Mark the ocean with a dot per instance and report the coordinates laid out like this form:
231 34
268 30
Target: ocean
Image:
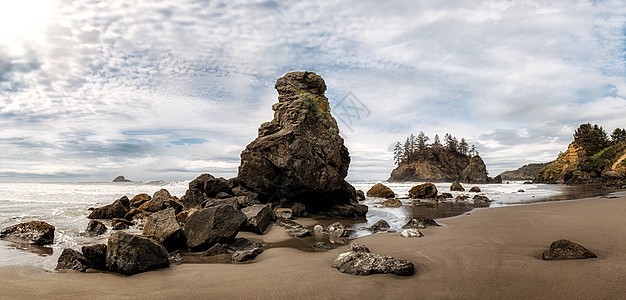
65 205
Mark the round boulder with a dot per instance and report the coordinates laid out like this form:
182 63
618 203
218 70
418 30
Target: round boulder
381 191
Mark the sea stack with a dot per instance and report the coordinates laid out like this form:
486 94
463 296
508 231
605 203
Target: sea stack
299 155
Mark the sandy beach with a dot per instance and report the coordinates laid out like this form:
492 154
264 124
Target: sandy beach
489 254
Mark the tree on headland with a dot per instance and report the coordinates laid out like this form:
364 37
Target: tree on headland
417 147
398 153
422 141
591 138
463 146
618 136
436 142
473 151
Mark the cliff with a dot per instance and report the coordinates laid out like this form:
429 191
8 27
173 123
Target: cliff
575 166
441 165
526 172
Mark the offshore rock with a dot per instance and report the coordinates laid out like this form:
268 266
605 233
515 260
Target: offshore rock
120 179
299 155
475 172
35 232
456 187
423 191
381 191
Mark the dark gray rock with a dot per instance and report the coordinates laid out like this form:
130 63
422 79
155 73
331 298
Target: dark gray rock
71 259
456 187
242 244
299 210
120 179
381 225
117 209
204 187
164 227
420 223
245 255
232 201
360 195
95 228
161 200
423 191
121 224
565 249
446 195
96 256
258 217
359 261
129 254
216 249
299 155
322 246
293 229
475 189
35 232
481 199
212 225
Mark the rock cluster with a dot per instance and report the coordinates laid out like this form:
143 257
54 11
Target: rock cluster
359 261
299 155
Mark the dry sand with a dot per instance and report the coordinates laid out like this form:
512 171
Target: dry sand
489 254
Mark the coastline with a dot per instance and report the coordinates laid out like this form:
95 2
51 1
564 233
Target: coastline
488 254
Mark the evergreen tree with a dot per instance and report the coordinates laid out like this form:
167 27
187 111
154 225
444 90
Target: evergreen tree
398 153
437 142
422 142
473 151
463 147
406 153
591 138
618 135
413 144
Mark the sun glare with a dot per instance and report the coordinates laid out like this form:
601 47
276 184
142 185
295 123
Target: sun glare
23 21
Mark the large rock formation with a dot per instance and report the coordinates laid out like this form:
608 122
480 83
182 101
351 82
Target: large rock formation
441 165
576 166
118 209
35 232
299 155
475 172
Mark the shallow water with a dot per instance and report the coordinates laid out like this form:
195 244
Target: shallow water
65 205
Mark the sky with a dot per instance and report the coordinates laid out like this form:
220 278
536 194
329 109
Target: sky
170 89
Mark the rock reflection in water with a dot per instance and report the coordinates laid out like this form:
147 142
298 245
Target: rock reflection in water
436 210
39 250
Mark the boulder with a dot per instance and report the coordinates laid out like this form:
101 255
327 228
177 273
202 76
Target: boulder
164 228
423 191
446 195
362 262
71 259
299 155
117 209
139 199
202 188
411 232
565 249
461 198
480 199
381 191
242 244
456 187
420 223
120 179
96 256
392 203
136 213
247 254
299 210
283 213
35 232
216 249
182 216
258 217
322 246
161 200
129 254
360 196
338 229
212 225
293 229
521 191
475 189
95 228
380 225
232 201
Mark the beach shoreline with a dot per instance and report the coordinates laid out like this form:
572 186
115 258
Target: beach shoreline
488 254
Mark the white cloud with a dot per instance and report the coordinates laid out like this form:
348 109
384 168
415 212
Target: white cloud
105 87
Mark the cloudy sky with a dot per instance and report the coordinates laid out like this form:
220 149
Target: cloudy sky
173 88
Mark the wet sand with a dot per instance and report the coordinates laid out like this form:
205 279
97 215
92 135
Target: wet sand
489 254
